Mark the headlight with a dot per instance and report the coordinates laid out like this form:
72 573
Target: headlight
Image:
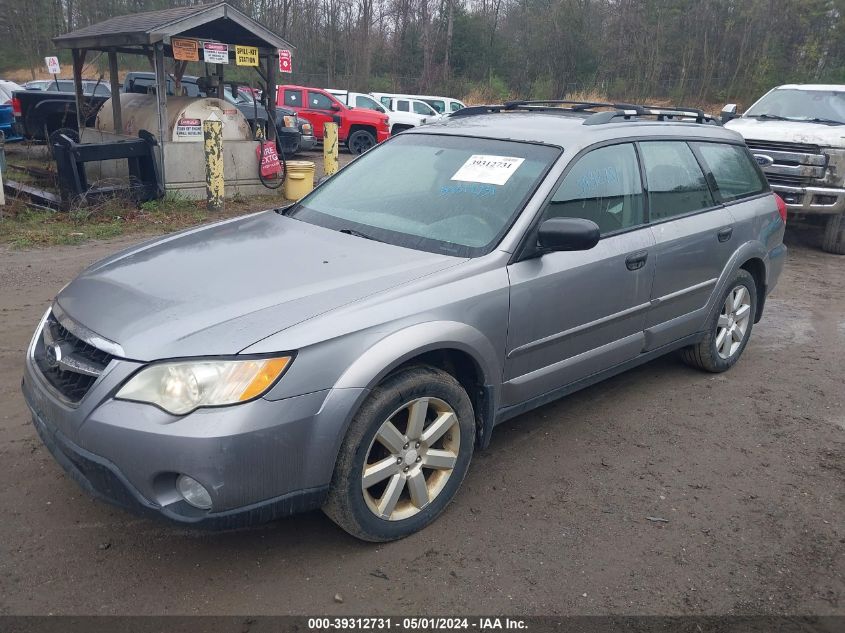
181 387
307 129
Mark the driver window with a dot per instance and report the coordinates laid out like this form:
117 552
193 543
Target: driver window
421 108
319 101
603 186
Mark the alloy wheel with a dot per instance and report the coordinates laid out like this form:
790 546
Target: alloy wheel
411 458
732 325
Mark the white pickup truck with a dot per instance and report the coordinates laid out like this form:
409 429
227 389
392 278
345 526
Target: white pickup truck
797 135
397 121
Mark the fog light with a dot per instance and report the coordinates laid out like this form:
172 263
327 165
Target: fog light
193 492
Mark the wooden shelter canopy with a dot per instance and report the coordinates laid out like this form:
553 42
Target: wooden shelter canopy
217 21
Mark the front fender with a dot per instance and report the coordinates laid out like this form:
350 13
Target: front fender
390 352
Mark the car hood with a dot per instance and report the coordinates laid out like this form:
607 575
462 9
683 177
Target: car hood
789 131
221 288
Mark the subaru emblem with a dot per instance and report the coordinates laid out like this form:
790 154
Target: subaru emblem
53 355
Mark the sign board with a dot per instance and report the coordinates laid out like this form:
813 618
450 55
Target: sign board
185 50
246 55
285 63
270 165
52 65
215 53
189 127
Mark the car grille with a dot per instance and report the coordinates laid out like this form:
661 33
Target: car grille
70 365
793 164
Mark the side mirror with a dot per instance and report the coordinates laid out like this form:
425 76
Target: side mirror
728 113
335 107
567 234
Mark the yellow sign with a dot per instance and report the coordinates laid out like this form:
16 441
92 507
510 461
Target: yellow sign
185 50
246 55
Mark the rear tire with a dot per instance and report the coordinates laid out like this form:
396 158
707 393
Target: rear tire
360 141
833 240
729 329
404 457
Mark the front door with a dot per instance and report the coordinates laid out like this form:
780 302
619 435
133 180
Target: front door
573 314
318 110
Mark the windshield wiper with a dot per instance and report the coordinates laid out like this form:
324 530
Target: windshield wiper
359 234
774 117
817 119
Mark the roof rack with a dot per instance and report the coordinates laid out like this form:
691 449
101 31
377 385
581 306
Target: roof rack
625 111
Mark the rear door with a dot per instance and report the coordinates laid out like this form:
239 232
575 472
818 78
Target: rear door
573 314
694 239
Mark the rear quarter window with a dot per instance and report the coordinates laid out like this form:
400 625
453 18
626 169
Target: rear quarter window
733 170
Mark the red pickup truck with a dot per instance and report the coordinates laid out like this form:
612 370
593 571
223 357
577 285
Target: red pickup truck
359 128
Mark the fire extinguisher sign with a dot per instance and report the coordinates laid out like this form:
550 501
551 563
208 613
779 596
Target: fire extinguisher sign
285 64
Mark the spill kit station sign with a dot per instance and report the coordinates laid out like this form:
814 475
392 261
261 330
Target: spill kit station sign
246 55
285 63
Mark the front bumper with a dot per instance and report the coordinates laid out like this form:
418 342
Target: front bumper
812 200
259 460
308 143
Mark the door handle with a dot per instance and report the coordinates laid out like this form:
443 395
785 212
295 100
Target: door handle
637 260
725 234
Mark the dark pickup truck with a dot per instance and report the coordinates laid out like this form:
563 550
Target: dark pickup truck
39 113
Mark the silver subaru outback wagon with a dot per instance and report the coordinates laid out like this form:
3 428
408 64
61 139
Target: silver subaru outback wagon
351 351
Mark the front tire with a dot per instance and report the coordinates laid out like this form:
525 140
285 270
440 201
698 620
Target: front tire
360 141
729 328
404 457
833 240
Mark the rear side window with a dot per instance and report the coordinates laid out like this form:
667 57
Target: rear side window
603 186
733 170
402 106
676 184
293 98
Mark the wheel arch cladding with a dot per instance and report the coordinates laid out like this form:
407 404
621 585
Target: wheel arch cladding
456 348
757 269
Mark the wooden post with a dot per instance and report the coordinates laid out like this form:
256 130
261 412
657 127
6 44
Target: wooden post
272 60
161 99
329 148
78 55
212 130
115 92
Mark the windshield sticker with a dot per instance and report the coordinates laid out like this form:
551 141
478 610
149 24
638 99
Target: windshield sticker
479 190
491 170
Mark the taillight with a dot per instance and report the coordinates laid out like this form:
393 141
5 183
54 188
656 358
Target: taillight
781 207
16 106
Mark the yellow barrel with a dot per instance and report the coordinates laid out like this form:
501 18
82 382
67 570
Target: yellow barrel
299 179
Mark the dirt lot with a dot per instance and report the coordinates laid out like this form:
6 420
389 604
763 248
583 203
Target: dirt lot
747 468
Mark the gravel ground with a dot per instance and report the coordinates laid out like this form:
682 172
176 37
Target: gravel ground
747 469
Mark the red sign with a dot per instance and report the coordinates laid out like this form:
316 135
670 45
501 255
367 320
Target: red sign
270 165
285 64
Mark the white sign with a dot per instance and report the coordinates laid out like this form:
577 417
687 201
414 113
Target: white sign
214 53
53 65
189 127
492 170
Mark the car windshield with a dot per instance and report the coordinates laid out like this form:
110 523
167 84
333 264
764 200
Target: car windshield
801 105
452 195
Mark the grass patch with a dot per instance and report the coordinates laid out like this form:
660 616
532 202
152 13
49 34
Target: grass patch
25 226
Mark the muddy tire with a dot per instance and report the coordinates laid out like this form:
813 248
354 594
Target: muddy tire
833 240
404 457
729 329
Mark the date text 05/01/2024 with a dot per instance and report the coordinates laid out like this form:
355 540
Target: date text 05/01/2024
416 624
